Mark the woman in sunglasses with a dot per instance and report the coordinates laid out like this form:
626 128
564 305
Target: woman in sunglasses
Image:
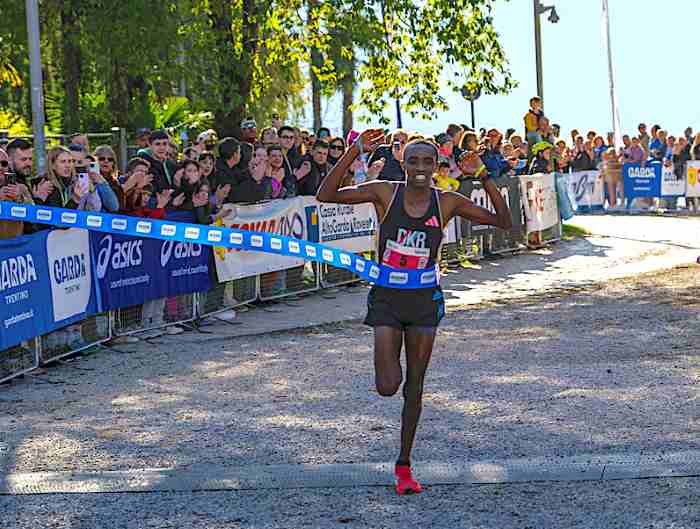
107 161
336 148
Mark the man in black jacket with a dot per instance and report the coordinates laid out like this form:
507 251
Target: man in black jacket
230 171
313 172
162 168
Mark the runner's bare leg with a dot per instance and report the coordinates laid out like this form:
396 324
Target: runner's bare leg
387 360
419 348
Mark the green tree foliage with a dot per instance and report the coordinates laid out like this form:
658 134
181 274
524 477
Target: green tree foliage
123 62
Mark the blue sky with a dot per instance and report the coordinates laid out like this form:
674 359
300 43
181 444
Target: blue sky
653 55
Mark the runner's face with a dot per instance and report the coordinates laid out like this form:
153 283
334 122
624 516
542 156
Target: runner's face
420 164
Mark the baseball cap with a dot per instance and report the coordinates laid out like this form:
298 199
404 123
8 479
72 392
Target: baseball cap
207 135
249 123
145 131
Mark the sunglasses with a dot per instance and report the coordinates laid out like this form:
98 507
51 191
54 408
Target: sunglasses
105 159
287 137
4 163
337 147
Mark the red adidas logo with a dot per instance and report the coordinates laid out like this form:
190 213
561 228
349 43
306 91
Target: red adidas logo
433 222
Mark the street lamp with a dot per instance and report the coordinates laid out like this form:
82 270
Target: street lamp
553 17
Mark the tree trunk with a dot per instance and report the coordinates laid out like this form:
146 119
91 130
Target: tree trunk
348 88
118 95
235 74
316 63
72 59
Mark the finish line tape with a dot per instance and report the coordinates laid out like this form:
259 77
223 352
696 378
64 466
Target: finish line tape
376 273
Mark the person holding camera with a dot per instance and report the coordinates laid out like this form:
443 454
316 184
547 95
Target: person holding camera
393 156
66 187
11 191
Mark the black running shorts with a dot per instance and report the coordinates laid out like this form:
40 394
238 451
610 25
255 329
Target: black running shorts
400 308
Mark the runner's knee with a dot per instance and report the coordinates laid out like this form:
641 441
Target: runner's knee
388 388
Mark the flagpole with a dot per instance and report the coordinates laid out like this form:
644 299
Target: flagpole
613 107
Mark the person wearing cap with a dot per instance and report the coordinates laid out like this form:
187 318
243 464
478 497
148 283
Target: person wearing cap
542 158
494 161
249 131
206 141
143 138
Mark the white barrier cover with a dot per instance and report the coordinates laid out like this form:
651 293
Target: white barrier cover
539 198
692 179
587 187
281 217
350 227
670 185
70 270
450 233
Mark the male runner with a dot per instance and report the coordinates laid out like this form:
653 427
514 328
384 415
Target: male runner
412 216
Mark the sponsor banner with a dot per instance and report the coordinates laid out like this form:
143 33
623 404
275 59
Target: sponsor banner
349 227
45 283
588 189
539 198
70 270
671 185
496 240
692 179
133 270
278 217
642 181
474 191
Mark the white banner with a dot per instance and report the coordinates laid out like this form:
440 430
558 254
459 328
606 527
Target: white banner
450 233
281 217
671 186
349 227
70 270
693 179
587 187
539 199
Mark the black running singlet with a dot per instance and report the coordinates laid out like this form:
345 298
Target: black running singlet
410 242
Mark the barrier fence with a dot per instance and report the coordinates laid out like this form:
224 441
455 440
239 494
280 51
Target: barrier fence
65 291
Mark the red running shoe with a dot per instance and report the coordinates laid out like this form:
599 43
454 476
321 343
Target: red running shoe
405 484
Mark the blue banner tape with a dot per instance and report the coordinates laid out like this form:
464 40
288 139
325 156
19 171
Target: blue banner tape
376 273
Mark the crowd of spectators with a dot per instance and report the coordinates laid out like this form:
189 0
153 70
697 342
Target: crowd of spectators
283 161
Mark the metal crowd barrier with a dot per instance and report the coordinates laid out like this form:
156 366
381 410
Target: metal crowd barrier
226 296
74 338
155 314
18 360
297 280
334 277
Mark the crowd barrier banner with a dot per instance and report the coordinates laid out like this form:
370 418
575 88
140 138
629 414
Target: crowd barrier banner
473 190
653 180
693 179
539 198
220 236
587 187
671 185
45 283
349 227
276 217
131 271
641 181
